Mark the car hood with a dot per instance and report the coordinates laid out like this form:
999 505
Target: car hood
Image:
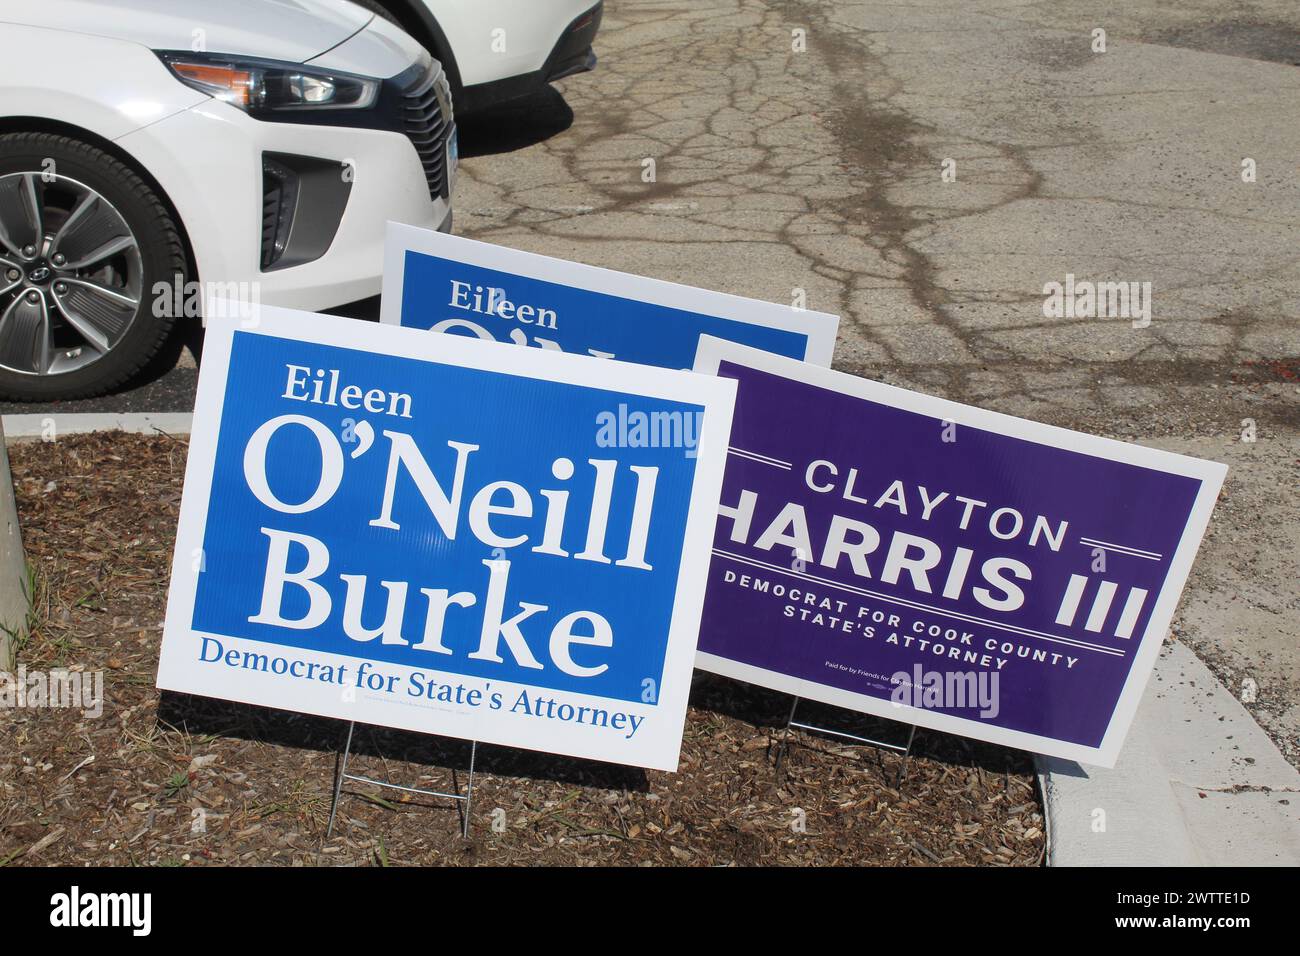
293 30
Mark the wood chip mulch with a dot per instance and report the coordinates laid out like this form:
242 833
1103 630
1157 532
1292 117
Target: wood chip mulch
177 780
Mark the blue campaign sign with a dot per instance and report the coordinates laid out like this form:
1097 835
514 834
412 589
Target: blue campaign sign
462 287
445 535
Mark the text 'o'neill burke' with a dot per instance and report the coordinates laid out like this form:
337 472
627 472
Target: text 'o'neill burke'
538 520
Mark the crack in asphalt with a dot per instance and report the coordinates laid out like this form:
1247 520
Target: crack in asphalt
881 141
816 166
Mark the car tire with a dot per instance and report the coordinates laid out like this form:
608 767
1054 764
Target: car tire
61 175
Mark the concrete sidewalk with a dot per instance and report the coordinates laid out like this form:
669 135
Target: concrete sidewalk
51 425
1197 784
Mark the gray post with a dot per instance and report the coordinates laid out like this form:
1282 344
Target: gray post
13 564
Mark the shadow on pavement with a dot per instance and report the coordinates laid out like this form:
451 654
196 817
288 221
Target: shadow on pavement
514 125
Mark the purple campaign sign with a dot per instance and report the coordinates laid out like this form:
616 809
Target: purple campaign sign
938 564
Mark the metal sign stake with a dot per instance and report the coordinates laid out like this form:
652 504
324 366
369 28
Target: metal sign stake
791 724
341 774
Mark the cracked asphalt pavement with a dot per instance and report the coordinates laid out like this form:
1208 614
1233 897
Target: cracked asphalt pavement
924 169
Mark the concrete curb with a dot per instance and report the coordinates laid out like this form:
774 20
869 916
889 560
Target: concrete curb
1198 783
50 425
13 565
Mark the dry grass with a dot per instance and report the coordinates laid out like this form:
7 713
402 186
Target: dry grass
181 780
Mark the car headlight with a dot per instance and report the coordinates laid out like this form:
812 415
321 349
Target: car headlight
267 86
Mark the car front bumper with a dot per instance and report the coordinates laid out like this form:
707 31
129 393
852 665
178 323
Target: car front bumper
549 57
209 161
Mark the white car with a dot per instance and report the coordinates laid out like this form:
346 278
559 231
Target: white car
498 50
258 145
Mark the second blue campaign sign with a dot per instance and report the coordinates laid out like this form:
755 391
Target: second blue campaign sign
462 287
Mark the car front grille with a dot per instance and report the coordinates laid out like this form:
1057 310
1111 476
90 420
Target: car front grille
428 122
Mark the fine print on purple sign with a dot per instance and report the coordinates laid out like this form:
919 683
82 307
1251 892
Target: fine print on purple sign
941 565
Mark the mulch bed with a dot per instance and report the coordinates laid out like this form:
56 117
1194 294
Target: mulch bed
177 780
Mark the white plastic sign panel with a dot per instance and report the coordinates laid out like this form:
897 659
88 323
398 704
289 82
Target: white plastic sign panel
445 535
941 565
449 284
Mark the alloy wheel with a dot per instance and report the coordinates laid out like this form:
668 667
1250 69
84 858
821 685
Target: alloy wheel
70 274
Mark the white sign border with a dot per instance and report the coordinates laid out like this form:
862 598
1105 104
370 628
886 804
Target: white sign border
713 350
176 668
821 328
